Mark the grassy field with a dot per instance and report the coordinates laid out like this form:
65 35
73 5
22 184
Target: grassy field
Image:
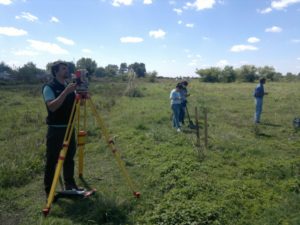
249 175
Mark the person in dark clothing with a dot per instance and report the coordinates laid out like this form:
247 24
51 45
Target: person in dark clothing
259 94
59 98
184 94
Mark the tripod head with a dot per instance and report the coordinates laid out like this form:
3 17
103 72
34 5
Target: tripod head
81 79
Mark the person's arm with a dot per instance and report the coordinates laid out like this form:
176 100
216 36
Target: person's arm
54 104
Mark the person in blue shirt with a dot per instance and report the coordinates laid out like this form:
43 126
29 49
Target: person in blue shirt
59 98
259 94
184 94
176 97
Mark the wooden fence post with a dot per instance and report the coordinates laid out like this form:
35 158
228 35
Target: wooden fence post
205 128
197 127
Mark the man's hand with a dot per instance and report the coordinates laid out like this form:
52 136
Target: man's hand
70 88
56 103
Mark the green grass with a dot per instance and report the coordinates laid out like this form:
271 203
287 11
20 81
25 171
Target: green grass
250 175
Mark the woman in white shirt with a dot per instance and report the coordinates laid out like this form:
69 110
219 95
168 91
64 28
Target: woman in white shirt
175 97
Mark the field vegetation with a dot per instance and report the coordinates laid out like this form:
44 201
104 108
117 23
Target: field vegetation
249 175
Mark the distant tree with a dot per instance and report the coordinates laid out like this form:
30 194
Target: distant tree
227 75
267 72
100 72
210 75
48 67
247 73
28 73
71 67
88 64
152 76
138 68
290 76
123 68
5 68
111 70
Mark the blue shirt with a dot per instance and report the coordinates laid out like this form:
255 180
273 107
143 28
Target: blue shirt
175 97
259 91
48 94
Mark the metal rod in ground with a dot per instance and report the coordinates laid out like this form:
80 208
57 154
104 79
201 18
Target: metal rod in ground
205 128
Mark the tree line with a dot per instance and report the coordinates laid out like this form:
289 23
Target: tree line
29 73
246 73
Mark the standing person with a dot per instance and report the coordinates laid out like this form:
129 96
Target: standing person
59 98
184 94
259 93
176 105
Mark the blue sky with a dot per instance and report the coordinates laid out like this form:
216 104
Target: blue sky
173 37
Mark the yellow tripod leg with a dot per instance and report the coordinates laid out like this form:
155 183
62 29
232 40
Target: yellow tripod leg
112 147
81 137
62 156
81 142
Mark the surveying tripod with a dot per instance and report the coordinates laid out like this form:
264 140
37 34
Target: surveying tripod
81 99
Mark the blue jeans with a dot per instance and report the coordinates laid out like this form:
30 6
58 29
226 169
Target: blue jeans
258 109
182 112
176 111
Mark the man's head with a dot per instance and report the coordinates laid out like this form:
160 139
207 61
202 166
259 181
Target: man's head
262 80
60 68
185 83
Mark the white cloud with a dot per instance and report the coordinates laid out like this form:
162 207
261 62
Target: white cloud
281 4
65 41
241 48
178 11
147 2
189 25
205 38
11 31
274 29
27 16
201 4
253 40
86 50
118 3
298 58
222 63
47 47
179 22
131 39
5 2
265 11
157 33
25 53
54 19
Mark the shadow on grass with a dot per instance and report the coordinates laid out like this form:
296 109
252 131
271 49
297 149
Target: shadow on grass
264 135
258 133
270 124
95 209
